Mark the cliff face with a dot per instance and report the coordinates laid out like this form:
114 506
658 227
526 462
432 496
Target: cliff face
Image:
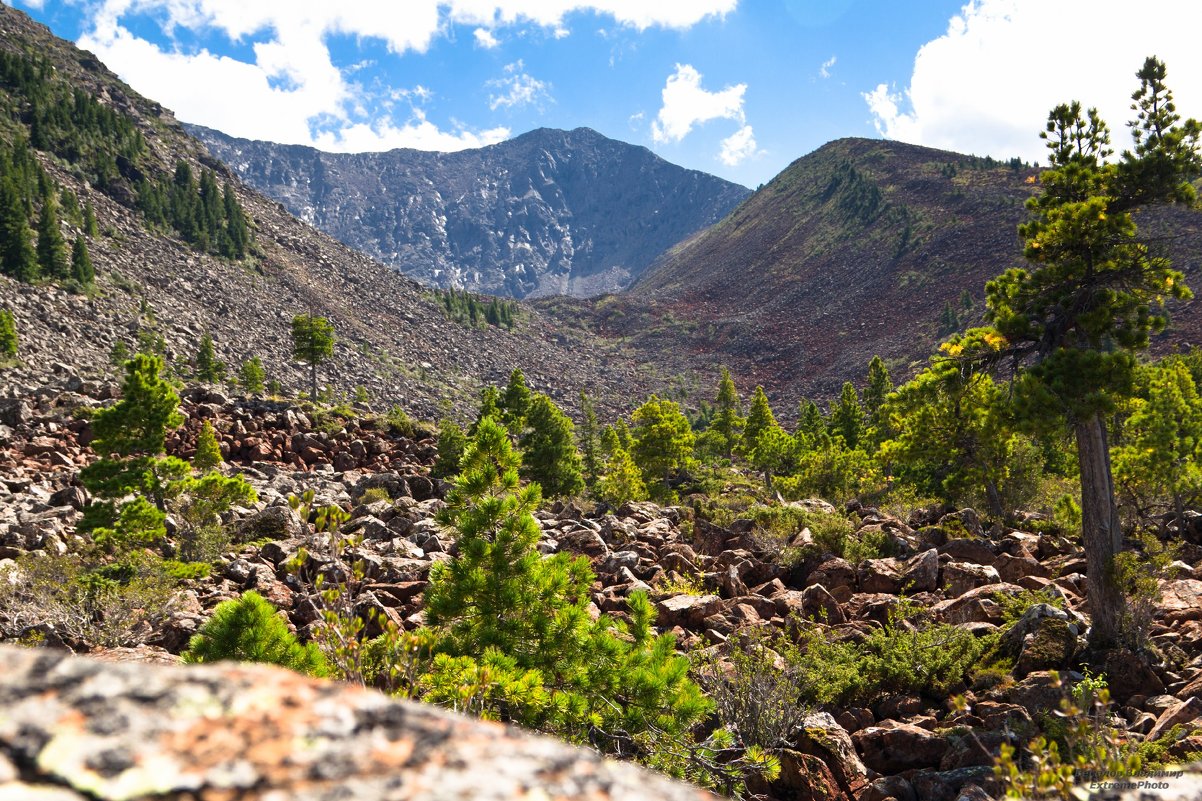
550 212
76 728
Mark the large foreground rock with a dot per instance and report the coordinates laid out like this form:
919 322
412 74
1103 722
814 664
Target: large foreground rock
73 728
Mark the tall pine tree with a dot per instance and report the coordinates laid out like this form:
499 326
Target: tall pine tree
52 248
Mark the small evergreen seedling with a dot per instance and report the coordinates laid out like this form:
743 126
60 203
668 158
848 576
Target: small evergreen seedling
208 452
247 629
8 334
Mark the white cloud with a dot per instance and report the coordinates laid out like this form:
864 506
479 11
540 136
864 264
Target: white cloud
825 70
517 88
292 92
987 84
485 38
686 104
738 147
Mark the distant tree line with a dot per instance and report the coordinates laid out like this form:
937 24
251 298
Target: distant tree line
103 147
463 307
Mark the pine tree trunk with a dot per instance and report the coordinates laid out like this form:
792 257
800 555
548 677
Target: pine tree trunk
1101 534
993 497
313 381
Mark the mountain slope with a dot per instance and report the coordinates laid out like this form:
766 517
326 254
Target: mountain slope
549 212
856 249
392 338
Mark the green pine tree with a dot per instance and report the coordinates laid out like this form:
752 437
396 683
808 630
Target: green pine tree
879 386
513 636
589 441
81 263
90 226
663 442
1092 295
248 629
208 452
252 376
313 344
451 445
515 400
490 406
549 455
759 419
847 417
130 437
727 420
622 481
18 259
1161 454
208 367
812 431
52 248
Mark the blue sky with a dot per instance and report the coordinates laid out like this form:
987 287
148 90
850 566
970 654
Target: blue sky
738 88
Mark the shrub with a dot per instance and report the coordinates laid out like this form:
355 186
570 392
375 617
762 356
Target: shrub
399 423
247 629
906 655
373 494
757 687
106 606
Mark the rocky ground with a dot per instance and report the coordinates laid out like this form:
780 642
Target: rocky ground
904 747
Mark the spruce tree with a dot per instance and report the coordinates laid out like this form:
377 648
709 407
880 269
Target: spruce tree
313 344
81 263
549 454
252 376
589 441
208 367
727 420
52 248
8 335
17 256
248 629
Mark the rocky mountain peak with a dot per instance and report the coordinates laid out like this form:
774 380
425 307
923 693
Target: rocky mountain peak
548 212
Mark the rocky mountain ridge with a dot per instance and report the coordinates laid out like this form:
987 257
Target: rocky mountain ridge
861 248
548 212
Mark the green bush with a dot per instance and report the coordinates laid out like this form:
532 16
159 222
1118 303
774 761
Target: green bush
906 655
247 629
373 494
114 605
